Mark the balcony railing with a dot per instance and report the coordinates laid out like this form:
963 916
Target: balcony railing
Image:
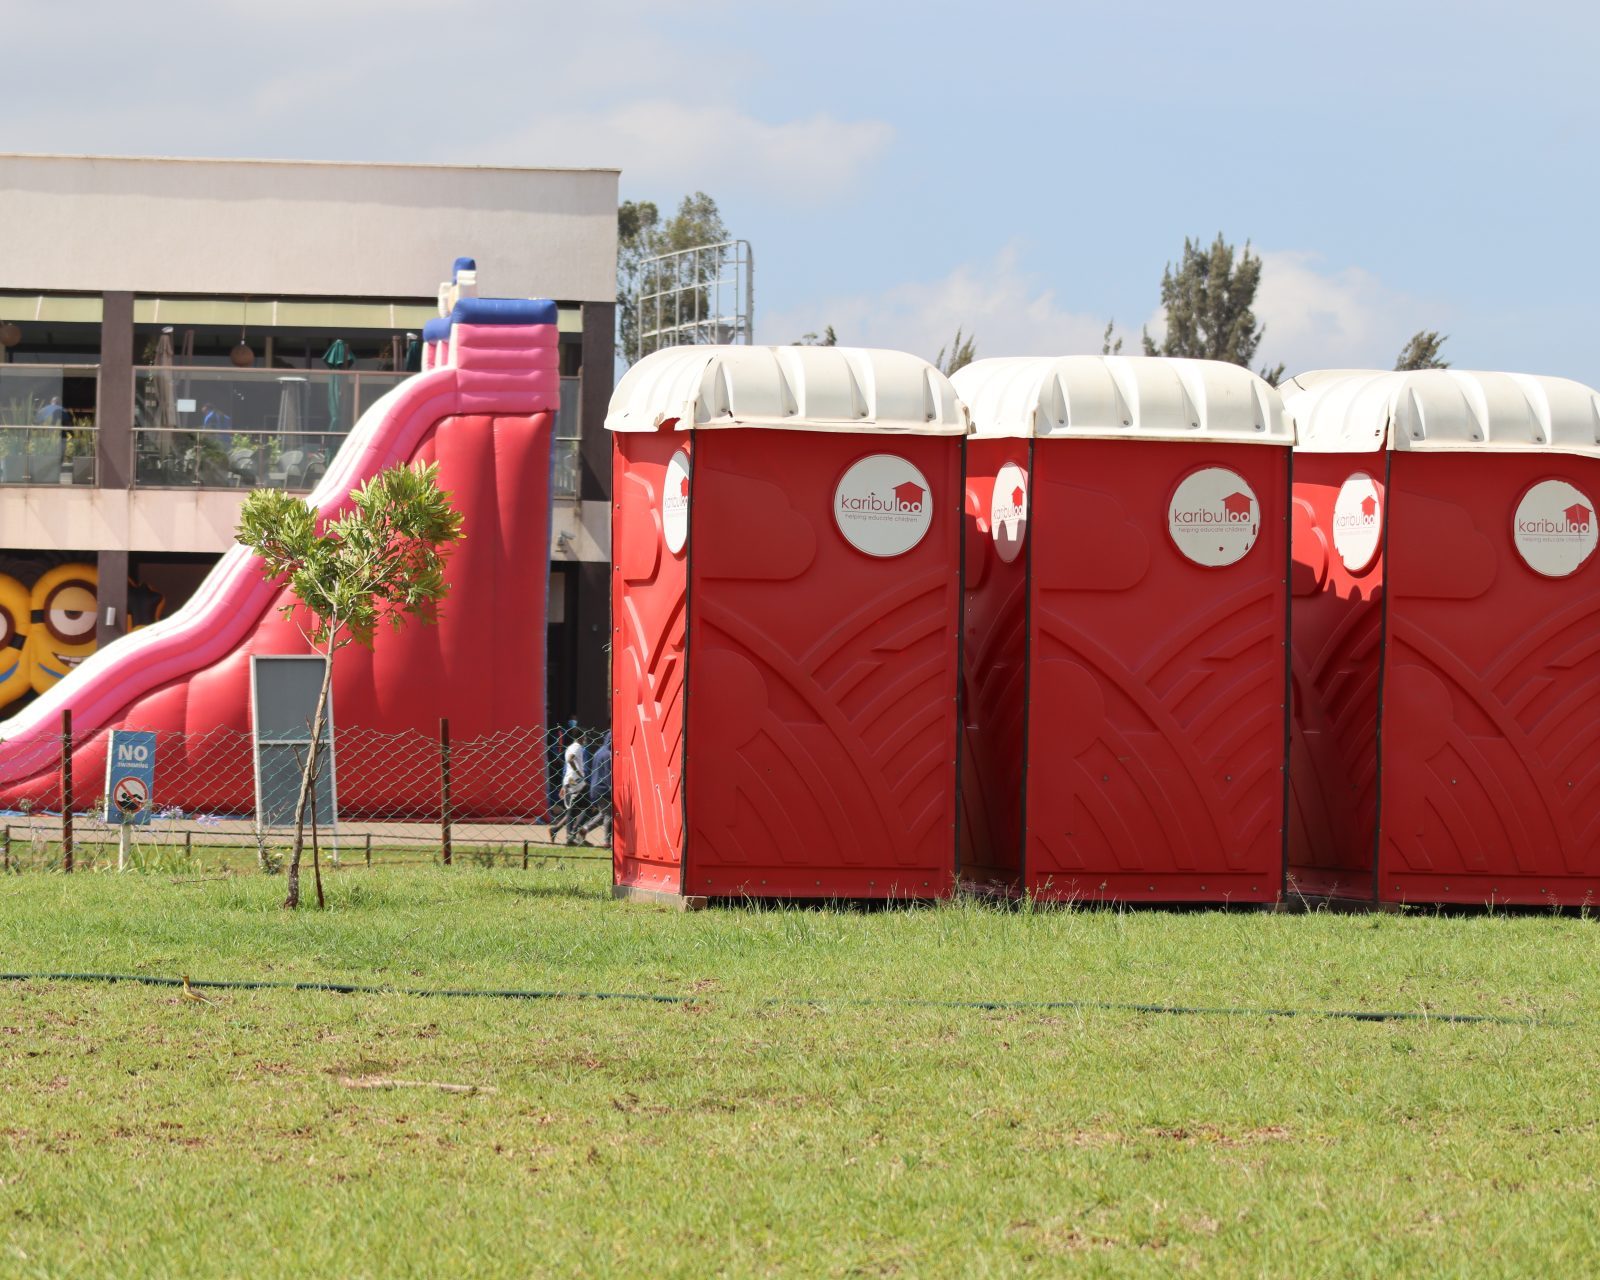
47 455
319 401
164 458
251 428
565 443
47 423
210 427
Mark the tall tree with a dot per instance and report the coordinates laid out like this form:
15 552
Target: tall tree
1422 352
381 563
1208 299
1107 346
643 234
827 338
963 351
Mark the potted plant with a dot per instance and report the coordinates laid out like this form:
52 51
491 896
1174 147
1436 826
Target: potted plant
80 450
44 455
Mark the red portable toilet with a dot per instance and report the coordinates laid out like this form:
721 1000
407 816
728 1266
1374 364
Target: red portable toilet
786 609
1126 627
1446 637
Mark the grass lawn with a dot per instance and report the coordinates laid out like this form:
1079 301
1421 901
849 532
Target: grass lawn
809 1107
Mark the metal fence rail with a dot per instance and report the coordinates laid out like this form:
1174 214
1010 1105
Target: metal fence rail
400 797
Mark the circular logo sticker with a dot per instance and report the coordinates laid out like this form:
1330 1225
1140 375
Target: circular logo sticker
883 505
1554 528
675 503
1008 511
1213 517
1358 522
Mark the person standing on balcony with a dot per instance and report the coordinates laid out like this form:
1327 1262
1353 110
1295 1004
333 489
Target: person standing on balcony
54 414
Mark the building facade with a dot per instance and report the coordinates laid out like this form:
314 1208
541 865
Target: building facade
175 333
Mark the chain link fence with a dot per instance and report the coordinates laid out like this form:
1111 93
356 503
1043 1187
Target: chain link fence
515 796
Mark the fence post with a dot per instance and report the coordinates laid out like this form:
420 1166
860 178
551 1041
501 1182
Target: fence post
66 789
369 848
444 788
524 855
7 846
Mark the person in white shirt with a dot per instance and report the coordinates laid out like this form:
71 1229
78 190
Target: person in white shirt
574 782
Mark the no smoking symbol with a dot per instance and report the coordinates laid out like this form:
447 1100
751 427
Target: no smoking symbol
130 795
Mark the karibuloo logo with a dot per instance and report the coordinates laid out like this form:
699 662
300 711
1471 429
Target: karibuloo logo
1008 511
675 503
1554 528
1358 522
883 505
1213 517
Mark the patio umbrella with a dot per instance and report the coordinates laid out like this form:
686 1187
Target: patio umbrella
166 398
338 358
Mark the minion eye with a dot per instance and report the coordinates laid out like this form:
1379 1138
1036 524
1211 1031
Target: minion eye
69 612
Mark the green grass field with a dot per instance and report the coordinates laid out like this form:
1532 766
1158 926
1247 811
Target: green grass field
808 1106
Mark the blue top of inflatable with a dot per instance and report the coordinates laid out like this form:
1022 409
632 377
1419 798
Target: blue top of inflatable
488 310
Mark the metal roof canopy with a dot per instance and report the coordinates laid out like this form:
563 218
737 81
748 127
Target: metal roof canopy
1121 398
1441 410
696 388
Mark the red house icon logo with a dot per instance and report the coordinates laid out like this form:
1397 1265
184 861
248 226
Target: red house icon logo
1578 515
683 487
1369 507
908 495
1016 497
1237 505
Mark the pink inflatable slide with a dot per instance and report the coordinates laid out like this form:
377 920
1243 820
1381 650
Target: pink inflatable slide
482 408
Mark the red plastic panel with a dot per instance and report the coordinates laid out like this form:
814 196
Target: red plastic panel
482 665
647 667
822 687
1156 725
1337 633
994 656
1491 717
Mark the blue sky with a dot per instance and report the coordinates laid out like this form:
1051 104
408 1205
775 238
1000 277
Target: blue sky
1025 170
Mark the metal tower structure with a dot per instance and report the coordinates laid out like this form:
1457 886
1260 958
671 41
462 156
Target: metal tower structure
700 295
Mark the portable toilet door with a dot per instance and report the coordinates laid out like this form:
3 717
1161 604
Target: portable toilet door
1147 501
1341 480
786 607
1487 753
1156 541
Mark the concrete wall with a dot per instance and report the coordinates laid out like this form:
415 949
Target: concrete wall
80 518
272 228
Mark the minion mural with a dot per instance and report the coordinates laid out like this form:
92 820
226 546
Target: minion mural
15 603
62 621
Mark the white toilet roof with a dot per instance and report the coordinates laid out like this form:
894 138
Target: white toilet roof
1439 410
1121 398
697 388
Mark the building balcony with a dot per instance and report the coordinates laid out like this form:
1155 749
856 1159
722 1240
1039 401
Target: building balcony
47 424
211 428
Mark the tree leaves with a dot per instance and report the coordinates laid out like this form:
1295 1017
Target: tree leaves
380 563
1422 351
1208 301
962 353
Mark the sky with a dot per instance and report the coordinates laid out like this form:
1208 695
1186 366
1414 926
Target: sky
1024 171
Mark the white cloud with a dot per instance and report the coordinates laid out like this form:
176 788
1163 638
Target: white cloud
1010 311
1347 317
709 147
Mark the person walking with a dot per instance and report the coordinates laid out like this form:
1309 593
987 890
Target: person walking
574 782
599 814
